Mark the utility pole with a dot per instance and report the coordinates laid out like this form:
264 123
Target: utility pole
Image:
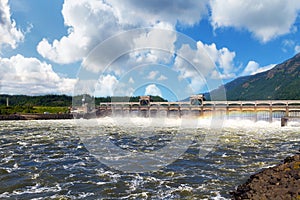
7 102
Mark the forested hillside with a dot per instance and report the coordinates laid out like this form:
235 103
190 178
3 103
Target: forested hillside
279 83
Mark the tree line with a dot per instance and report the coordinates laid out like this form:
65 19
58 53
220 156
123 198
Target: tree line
55 103
64 100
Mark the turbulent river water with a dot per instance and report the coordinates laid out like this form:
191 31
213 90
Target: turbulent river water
51 159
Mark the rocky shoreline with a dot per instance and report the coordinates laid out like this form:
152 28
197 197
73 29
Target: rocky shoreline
279 182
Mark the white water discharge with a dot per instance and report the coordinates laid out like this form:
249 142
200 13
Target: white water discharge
187 123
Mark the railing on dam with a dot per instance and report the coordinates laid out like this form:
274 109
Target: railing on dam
257 110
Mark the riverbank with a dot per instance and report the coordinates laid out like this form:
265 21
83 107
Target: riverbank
279 182
36 116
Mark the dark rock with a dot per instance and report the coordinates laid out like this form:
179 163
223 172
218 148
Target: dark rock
279 182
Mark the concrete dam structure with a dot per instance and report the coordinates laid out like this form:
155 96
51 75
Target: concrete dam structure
267 110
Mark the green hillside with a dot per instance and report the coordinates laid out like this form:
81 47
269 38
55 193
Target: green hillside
280 83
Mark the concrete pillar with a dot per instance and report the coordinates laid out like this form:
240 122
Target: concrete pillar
270 114
284 121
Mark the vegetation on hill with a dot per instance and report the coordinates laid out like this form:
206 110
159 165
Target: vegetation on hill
46 100
62 100
280 83
32 109
54 103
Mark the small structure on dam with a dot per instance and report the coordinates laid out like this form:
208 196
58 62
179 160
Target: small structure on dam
197 100
145 100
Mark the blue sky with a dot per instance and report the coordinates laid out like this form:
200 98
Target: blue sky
181 47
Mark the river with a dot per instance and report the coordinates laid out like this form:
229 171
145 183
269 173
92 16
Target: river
55 159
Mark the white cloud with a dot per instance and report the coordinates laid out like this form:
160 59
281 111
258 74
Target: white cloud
158 44
287 44
223 59
155 75
297 49
265 19
152 75
131 80
263 69
110 85
162 78
254 68
91 22
198 58
9 34
21 75
147 13
208 62
137 47
153 90
193 66
106 86
215 74
251 67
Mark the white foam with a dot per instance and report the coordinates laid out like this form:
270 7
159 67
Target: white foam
185 122
179 122
36 189
218 197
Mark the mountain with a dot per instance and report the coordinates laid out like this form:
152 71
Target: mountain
279 83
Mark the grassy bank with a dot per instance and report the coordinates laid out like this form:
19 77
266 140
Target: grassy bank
32 109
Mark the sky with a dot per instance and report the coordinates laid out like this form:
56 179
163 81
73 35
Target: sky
136 47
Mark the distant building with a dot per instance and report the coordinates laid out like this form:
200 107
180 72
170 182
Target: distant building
197 100
82 109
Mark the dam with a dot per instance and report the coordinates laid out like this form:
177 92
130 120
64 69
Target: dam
267 110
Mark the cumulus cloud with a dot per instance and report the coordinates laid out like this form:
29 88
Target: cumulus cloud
206 61
9 34
137 47
265 19
146 13
21 75
106 85
159 43
91 22
193 66
153 90
254 68
223 59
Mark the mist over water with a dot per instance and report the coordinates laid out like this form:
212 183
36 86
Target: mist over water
42 159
